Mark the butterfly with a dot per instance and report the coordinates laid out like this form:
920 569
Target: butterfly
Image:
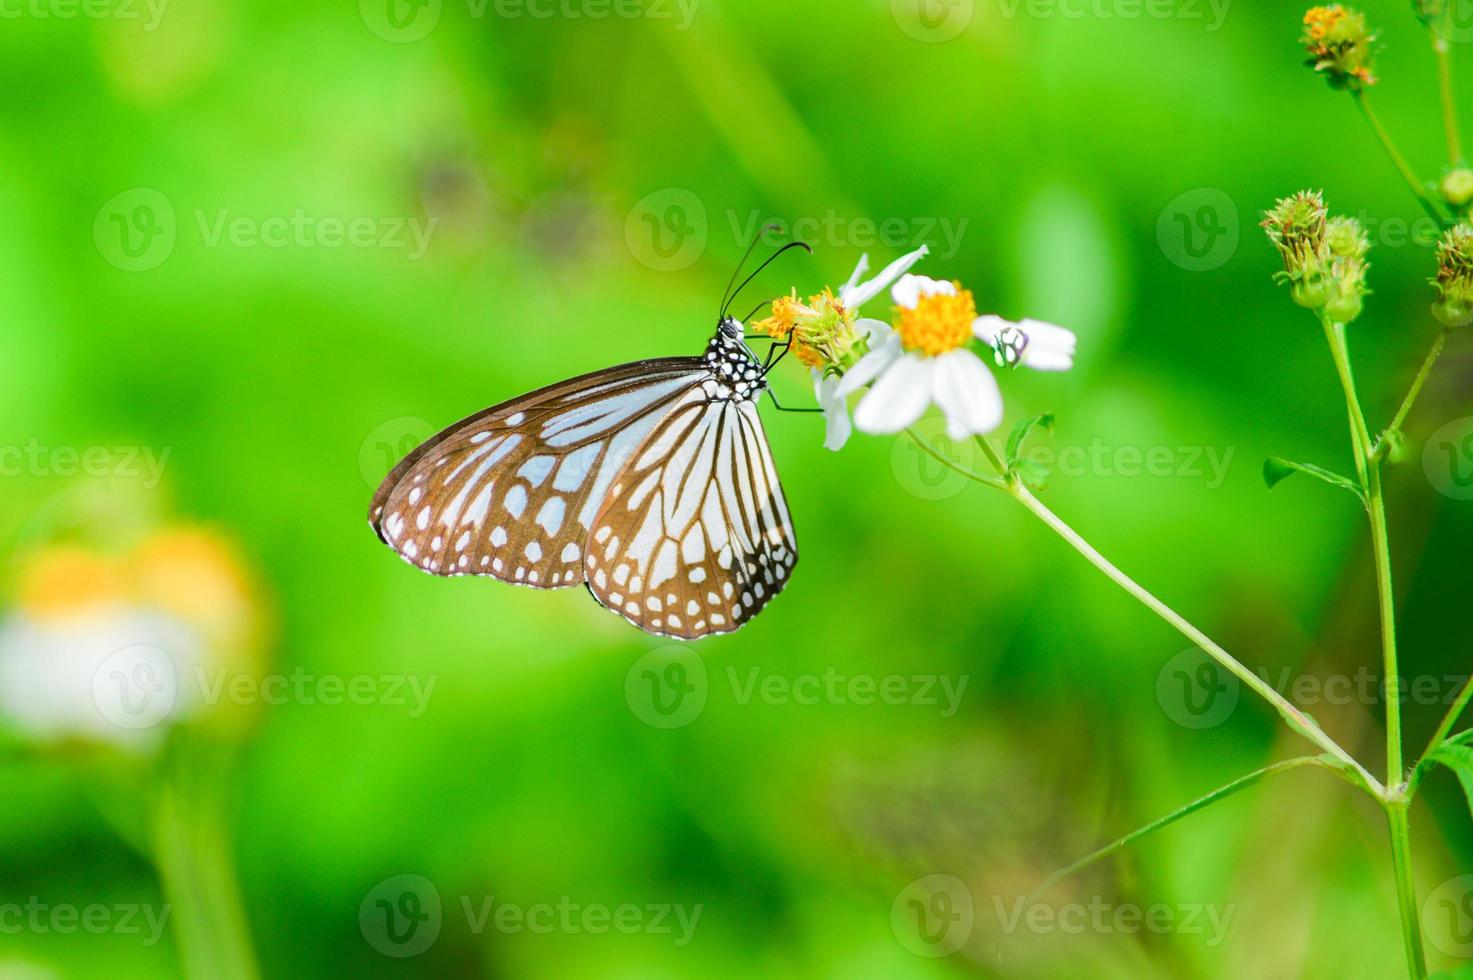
651 483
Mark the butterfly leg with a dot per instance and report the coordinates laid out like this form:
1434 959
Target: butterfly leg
768 364
783 408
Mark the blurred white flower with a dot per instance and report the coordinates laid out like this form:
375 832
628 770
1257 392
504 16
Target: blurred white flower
110 649
114 675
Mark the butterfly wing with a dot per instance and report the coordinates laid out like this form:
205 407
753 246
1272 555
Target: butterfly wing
695 536
512 492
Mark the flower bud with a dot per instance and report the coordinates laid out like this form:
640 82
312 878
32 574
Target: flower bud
1346 282
1454 282
1429 12
1340 45
1297 226
1457 186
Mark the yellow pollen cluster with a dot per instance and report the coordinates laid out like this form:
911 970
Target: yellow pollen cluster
938 323
1319 21
820 331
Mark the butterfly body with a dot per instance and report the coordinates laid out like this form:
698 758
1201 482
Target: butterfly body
651 483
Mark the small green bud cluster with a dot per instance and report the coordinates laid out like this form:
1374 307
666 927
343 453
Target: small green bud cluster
1341 46
1454 282
1457 187
1324 257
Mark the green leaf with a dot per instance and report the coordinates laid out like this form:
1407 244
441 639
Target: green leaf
1031 472
1276 470
1020 433
1221 793
1458 758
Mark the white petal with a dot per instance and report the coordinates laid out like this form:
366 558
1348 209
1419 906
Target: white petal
967 393
898 398
874 331
835 411
986 328
871 365
856 295
853 283
1050 347
909 290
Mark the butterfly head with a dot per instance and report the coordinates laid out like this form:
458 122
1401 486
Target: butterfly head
736 373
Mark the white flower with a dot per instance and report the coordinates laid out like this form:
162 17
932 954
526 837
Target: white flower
925 361
112 675
852 295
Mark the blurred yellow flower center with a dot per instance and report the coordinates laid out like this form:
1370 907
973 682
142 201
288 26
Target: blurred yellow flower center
938 323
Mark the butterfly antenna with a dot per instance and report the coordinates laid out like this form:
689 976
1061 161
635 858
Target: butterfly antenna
758 271
758 307
727 297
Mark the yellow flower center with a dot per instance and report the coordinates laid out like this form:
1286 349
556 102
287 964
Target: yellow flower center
938 323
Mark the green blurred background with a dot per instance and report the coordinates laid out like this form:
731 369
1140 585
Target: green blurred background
585 185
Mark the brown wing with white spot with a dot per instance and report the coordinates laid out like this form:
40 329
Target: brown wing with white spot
512 491
695 536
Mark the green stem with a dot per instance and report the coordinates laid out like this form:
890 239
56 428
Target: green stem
1296 719
1241 783
1370 473
192 852
1383 444
1449 106
990 481
1444 728
1406 892
1399 161
1396 799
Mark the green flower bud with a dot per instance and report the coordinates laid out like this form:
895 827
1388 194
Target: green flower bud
1428 11
1297 227
1454 282
1457 186
1340 45
1346 282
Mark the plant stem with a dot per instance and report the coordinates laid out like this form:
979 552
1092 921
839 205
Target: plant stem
1396 799
192 853
1242 782
1406 892
1297 719
1383 444
1370 473
1444 727
990 481
1399 161
1449 107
